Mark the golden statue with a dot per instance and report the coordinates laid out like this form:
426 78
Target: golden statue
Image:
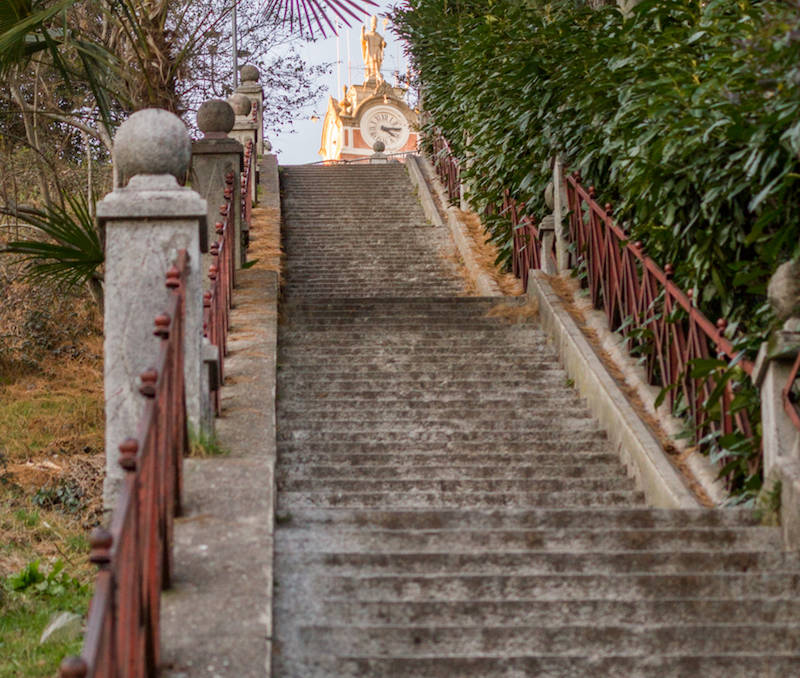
372 45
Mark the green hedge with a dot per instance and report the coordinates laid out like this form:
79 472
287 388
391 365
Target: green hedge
686 116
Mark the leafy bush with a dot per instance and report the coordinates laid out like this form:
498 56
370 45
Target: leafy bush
685 115
32 579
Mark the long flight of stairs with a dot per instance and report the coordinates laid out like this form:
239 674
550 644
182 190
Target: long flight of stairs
446 505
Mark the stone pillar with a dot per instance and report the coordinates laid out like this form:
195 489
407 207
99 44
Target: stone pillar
216 157
781 440
378 157
254 91
244 130
560 207
147 222
546 237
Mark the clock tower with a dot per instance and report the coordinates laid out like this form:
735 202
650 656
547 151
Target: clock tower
374 111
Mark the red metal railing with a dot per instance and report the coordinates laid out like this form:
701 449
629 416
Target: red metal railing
217 301
247 192
527 245
790 403
644 305
135 556
527 253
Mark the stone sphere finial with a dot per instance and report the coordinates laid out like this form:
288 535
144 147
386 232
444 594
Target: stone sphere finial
215 117
379 147
240 104
152 141
249 73
783 291
267 145
550 196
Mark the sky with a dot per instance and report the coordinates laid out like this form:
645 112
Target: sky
301 145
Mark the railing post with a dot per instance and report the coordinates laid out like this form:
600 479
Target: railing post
774 374
147 222
215 158
245 129
254 91
560 209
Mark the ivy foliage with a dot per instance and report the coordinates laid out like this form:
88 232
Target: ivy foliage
684 114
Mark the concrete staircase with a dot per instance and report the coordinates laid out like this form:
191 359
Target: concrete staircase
446 505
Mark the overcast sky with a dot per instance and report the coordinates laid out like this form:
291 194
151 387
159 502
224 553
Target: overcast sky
302 145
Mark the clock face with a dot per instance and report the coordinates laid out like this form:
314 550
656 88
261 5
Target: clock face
386 124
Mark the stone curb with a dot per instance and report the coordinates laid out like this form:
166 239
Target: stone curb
217 617
638 448
484 285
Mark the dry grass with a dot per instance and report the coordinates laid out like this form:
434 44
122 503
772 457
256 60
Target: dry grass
485 253
565 290
265 240
515 313
51 422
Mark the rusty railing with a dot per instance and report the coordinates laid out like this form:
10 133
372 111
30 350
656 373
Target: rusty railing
527 245
448 169
790 399
134 556
247 179
218 300
657 318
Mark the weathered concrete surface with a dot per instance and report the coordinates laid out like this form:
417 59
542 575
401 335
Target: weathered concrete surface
147 223
641 452
217 618
421 177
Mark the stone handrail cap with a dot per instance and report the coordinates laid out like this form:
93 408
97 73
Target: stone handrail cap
249 73
240 104
783 291
215 115
152 141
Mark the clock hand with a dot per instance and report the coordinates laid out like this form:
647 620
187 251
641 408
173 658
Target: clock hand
390 129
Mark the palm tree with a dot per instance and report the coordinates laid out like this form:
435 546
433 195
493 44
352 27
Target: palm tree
123 51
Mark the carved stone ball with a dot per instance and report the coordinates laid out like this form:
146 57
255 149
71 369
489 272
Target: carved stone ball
550 195
267 145
249 73
215 115
240 104
379 147
152 141
783 291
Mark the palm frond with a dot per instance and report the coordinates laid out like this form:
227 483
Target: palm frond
305 13
24 31
69 253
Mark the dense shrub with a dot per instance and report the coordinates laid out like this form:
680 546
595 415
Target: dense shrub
685 115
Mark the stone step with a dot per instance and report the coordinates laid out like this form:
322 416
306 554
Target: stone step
555 540
631 640
454 471
641 518
430 485
552 396
708 665
532 562
616 586
561 612
423 500
413 438
332 460
490 430
304 455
